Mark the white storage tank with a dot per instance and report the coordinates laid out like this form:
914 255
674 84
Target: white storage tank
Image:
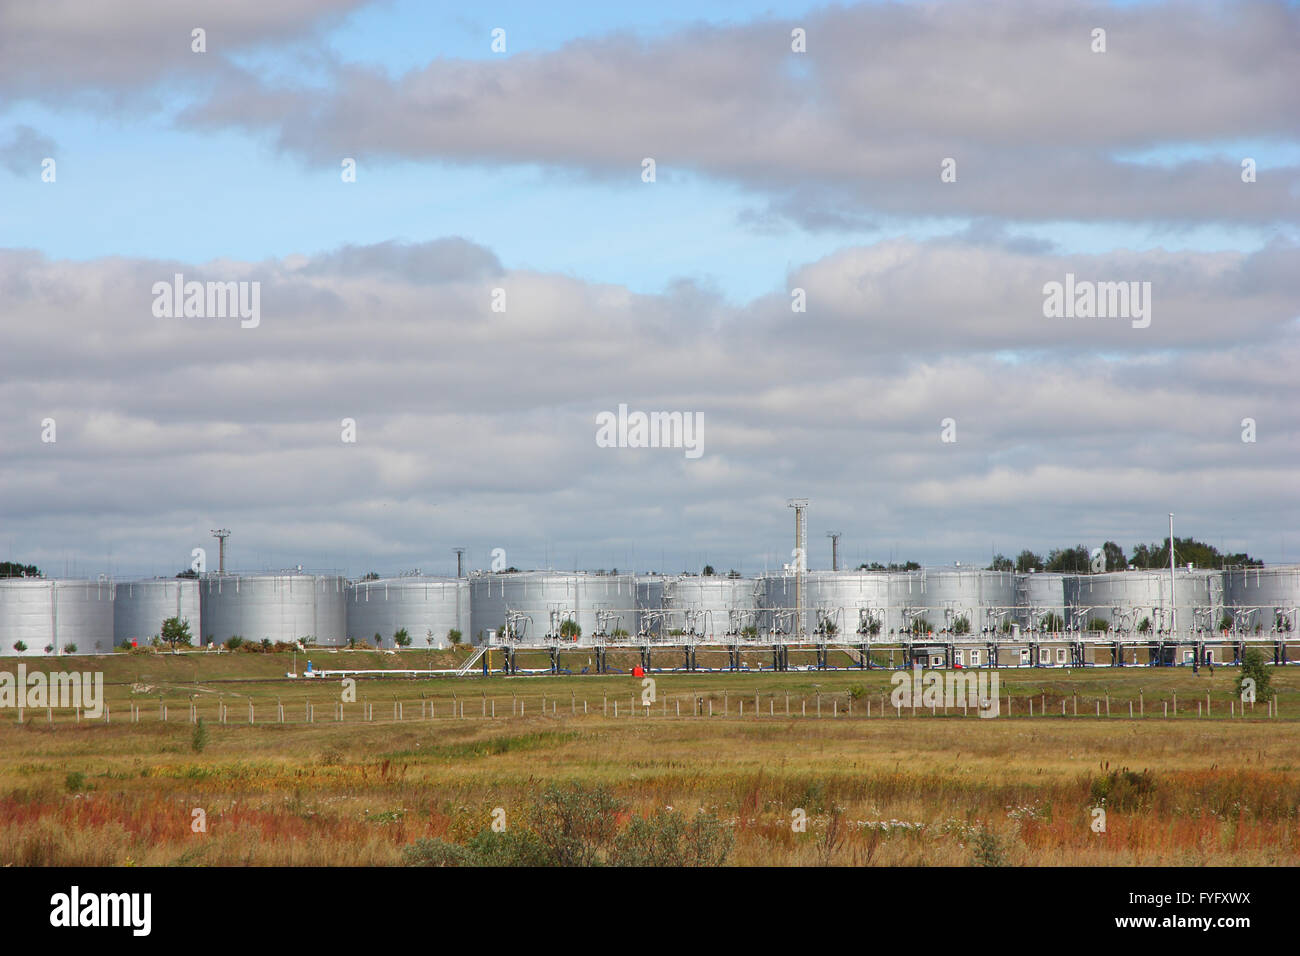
50 616
276 607
711 607
1263 600
533 605
428 608
140 607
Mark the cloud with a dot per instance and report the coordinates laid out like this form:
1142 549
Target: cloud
858 126
23 153
63 51
477 427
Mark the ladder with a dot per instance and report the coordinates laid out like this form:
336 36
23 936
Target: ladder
472 660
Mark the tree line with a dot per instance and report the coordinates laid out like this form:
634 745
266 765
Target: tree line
1078 560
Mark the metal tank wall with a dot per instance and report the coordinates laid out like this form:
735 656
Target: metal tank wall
649 601
1124 598
42 612
426 607
840 597
276 607
547 598
941 596
1257 596
713 607
140 607
1037 596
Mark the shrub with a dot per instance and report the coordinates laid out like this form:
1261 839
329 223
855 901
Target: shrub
75 781
574 826
234 643
69 648
670 839
1123 789
199 737
989 849
1254 668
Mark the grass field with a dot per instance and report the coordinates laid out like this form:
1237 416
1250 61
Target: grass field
881 789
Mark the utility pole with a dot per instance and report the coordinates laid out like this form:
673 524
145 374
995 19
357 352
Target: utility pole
459 553
835 548
221 534
800 506
1173 622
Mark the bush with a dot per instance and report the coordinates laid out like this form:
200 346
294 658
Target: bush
1123 789
69 648
989 849
1254 668
573 826
234 643
199 738
857 691
668 839
75 781
19 646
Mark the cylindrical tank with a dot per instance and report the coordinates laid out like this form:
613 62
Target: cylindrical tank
40 613
844 605
1040 602
1263 600
650 613
140 607
533 605
427 608
941 599
711 607
276 607
1123 600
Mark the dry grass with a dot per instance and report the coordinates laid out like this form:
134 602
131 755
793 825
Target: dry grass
880 791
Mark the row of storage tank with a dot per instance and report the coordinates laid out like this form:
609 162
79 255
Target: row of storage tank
39 615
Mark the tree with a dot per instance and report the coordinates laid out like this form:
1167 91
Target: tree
19 646
1253 668
1001 563
379 639
454 637
10 569
372 576
1114 556
570 629
1069 560
401 638
708 571
175 631
1027 561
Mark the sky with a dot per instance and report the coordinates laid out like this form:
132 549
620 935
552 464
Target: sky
839 267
